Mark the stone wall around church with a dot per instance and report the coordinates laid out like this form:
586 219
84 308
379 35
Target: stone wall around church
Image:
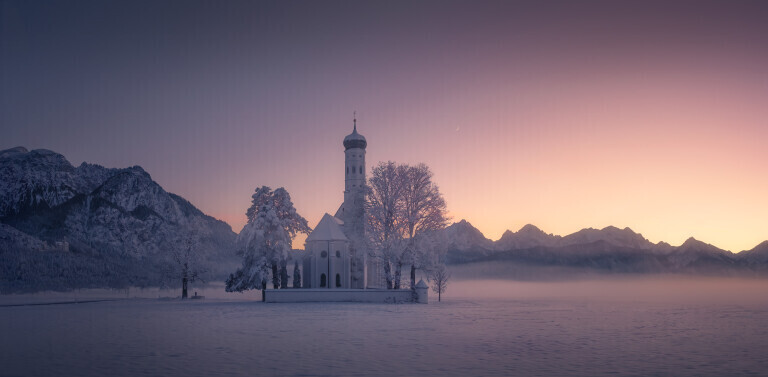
346 295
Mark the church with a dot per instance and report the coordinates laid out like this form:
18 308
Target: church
335 254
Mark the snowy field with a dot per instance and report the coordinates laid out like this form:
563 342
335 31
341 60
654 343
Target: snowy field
628 327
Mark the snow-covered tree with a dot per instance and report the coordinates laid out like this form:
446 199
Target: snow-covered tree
425 211
266 240
384 227
440 277
402 204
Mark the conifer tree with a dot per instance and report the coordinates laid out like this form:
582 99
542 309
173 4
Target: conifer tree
296 275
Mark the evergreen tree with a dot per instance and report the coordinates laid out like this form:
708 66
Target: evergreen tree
296 275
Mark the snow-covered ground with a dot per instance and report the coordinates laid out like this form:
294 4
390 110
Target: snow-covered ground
638 327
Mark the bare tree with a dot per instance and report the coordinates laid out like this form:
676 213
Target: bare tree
402 203
186 264
383 217
440 277
425 211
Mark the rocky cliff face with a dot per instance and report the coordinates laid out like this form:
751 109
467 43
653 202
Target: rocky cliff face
100 213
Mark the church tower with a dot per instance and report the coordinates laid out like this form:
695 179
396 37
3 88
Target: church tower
352 210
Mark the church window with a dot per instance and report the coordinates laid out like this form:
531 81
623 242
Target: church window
361 170
347 169
353 170
338 254
338 280
322 280
324 254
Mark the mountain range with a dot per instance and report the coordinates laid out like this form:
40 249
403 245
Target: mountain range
65 227
608 249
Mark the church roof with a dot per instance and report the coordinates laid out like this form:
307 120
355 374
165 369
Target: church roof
355 140
328 229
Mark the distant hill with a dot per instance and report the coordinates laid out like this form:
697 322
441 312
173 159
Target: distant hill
89 226
609 249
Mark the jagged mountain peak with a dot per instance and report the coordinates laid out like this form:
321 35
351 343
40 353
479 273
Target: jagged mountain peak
615 229
10 152
34 158
619 237
662 248
463 222
463 235
464 226
693 242
758 254
528 236
530 228
692 245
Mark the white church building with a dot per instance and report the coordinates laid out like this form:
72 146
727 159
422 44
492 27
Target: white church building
335 254
335 262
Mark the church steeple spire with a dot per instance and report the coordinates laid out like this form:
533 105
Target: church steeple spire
354 140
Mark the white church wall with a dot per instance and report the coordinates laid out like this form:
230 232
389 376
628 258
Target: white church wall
329 259
344 295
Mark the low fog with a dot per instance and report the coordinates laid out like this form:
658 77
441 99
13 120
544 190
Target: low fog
509 281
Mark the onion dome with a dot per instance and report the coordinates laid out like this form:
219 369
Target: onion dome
355 140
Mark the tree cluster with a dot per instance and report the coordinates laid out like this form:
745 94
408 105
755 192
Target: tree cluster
402 206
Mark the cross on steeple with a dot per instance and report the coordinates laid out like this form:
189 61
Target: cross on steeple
354 120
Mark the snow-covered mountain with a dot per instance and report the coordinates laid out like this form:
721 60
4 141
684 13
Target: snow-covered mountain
611 234
757 255
696 253
610 248
95 212
528 236
42 178
463 236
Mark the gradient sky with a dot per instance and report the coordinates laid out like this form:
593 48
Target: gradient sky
566 115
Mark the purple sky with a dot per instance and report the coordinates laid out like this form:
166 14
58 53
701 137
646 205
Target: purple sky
650 115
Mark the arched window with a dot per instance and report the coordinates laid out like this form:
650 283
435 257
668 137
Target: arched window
361 170
322 280
338 254
324 254
353 170
347 169
338 281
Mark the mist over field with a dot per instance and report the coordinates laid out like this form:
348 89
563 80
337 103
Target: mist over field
616 288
